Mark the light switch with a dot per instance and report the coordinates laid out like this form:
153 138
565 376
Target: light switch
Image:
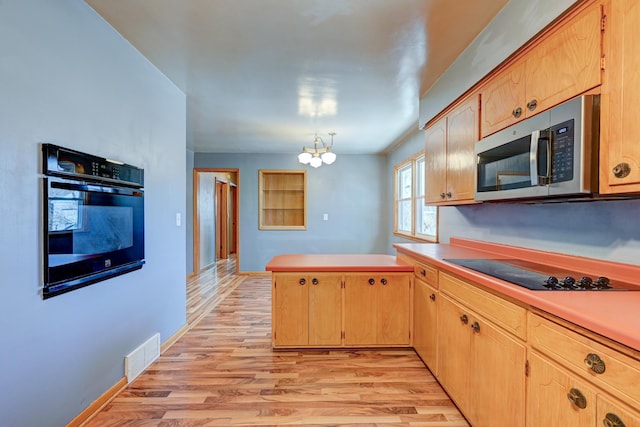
325 217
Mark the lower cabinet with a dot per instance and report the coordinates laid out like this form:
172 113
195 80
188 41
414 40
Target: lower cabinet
307 309
481 367
377 309
341 309
425 323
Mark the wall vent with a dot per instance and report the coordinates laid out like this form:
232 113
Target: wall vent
140 358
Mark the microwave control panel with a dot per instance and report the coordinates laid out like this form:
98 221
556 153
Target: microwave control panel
562 151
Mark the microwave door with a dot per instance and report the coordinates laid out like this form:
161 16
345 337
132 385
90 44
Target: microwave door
512 170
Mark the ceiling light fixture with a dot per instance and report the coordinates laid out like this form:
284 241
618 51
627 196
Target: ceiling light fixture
320 153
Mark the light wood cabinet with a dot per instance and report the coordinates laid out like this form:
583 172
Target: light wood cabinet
574 380
377 309
620 132
564 63
425 323
480 366
449 155
282 200
307 309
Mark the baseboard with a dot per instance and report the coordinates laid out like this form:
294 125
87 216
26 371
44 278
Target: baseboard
173 338
254 273
191 276
98 404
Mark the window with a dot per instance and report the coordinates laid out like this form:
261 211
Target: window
413 219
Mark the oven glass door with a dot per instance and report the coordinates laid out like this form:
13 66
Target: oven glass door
90 229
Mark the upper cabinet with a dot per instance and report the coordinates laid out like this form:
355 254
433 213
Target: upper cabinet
564 63
449 144
620 127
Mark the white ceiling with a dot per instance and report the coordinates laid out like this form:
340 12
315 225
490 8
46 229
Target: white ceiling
265 75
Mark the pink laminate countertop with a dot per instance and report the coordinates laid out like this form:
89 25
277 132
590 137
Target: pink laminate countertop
612 314
346 263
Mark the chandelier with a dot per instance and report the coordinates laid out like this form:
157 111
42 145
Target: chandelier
320 153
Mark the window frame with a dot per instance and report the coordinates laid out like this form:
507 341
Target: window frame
412 162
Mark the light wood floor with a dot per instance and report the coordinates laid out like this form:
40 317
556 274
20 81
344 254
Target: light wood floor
223 372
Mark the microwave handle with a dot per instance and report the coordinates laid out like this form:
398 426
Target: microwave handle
533 157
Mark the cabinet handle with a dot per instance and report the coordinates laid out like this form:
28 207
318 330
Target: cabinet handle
423 273
449 194
383 281
595 363
612 420
517 112
372 281
464 319
302 281
531 105
442 195
622 170
432 297
315 281
576 397
476 327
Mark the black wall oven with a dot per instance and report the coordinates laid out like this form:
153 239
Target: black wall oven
93 219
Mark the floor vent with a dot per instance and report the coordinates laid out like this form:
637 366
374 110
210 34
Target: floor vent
140 358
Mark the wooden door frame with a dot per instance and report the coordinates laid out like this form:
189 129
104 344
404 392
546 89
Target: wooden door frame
196 219
222 219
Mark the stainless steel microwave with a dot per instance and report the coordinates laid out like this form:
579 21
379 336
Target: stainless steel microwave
553 154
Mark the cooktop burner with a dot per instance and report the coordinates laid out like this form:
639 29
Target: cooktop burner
540 277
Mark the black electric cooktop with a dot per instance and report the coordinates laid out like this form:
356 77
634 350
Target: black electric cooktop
540 277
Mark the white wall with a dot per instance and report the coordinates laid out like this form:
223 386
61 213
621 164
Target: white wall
66 77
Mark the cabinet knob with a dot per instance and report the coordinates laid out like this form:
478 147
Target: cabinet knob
621 170
576 397
372 281
383 281
517 112
595 363
476 327
315 281
464 319
423 272
612 420
531 105
442 195
432 297
449 194
302 281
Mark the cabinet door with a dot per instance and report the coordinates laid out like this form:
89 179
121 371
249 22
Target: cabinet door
462 135
620 146
503 99
361 299
611 414
291 309
425 329
548 402
325 309
497 377
393 310
454 351
566 63
436 162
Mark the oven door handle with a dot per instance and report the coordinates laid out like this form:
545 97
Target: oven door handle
83 186
533 157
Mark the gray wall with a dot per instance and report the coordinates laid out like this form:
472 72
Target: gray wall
352 191
67 78
607 230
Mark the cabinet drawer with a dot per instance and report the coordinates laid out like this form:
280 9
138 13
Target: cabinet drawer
620 374
503 313
426 273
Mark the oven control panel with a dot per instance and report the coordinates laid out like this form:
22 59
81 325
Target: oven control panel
64 162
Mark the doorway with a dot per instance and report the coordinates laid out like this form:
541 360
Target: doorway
215 217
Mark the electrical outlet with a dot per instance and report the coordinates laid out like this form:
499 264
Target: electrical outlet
325 217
